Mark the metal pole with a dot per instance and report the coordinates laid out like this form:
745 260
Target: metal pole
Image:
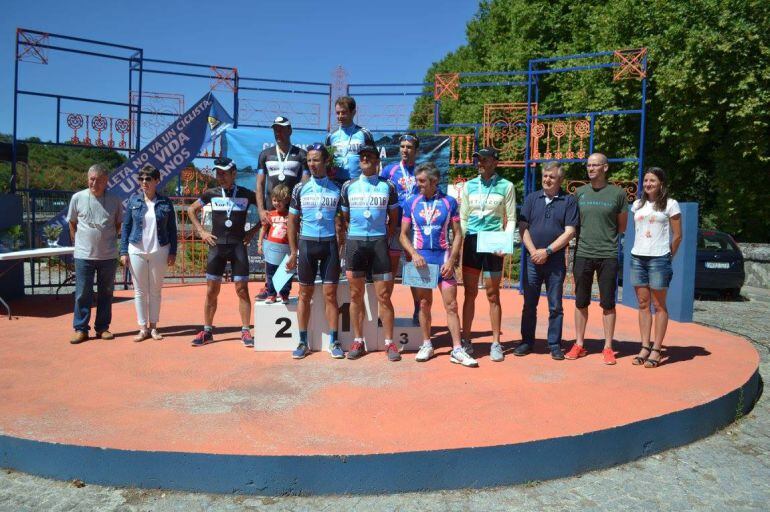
15 112
640 176
235 97
528 139
436 108
58 118
329 113
591 137
139 104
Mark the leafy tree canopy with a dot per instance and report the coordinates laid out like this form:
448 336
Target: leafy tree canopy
708 110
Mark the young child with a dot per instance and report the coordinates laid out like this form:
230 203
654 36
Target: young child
274 242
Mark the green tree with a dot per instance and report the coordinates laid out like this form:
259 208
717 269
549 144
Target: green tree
708 107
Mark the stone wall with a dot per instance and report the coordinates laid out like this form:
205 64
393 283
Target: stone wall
757 264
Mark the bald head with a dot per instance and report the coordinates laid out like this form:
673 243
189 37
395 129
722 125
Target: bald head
597 167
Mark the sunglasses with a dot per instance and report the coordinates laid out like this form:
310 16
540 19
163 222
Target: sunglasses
142 179
368 156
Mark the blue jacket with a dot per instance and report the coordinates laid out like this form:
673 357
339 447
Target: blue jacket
133 222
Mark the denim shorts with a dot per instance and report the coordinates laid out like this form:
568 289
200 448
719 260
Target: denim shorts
652 271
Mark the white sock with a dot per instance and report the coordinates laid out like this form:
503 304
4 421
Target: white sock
388 342
427 343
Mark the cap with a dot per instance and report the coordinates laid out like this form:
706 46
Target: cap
281 121
369 148
488 151
224 163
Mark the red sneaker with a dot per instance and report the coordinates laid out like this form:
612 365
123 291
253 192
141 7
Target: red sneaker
576 352
609 356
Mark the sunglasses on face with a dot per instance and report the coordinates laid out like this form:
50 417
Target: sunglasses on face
142 179
368 156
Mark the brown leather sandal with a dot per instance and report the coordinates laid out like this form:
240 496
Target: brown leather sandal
653 363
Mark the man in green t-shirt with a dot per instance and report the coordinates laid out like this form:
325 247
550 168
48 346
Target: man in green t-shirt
603 215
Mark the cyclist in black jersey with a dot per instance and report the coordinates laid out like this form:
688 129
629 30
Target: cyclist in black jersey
227 242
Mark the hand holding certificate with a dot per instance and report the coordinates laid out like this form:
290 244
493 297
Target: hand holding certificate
282 276
495 242
423 277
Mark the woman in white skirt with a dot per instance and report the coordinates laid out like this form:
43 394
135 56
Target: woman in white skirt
147 245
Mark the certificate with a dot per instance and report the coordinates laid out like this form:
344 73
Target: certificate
425 277
495 241
282 276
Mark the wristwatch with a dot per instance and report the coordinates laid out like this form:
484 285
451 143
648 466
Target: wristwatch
548 250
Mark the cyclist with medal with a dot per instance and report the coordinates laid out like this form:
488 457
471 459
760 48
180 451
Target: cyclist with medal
430 215
488 204
313 224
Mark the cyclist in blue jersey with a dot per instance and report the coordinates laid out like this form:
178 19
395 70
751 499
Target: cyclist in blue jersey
347 141
401 174
313 215
369 208
430 215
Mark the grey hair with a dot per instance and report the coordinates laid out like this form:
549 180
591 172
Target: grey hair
430 169
550 166
99 169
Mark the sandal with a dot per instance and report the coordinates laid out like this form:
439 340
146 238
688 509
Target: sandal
142 335
652 363
156 335
639 360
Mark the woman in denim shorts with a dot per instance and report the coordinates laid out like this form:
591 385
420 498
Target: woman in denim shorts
658 233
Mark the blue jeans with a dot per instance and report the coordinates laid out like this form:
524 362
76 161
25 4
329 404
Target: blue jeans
84 293
651 271
552 273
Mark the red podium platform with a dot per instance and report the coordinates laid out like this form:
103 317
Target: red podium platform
223 418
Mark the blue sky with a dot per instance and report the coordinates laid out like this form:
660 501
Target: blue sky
392 41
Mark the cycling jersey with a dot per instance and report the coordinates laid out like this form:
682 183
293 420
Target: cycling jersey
368 201
346 142
317 201
228 212
283 169
403 178
430 219
488 205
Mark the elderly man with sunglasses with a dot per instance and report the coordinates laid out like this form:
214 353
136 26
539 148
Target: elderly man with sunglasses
548 221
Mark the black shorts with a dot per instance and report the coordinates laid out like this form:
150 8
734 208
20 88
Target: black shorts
316 256
368 256
607 272
491 264
220 254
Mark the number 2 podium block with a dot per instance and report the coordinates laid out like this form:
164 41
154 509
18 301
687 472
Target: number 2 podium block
275 326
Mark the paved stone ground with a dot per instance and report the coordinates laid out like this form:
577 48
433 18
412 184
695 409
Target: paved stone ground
727 471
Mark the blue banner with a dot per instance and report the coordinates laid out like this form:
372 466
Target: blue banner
169 152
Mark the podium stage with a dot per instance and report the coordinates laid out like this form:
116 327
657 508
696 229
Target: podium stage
223 418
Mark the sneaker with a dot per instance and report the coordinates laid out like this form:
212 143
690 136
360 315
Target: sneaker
300 352
247 339
336 351
609 356
460 356
467 346
271 299
357 349
393 353
262 295
285 298
557 354
79 337
156 335
496 353
105 335
425 353
576 352
523 349
203 338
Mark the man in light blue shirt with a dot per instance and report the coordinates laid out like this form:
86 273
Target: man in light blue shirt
347 140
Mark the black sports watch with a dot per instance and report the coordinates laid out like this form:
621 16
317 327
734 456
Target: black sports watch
548 250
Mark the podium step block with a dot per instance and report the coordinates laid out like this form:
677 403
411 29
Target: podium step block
275 326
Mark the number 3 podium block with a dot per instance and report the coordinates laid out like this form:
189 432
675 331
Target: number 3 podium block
406 335
275 326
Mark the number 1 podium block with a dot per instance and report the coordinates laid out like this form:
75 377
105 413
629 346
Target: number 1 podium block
318 330
275 326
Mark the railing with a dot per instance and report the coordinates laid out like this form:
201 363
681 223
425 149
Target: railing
51 275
